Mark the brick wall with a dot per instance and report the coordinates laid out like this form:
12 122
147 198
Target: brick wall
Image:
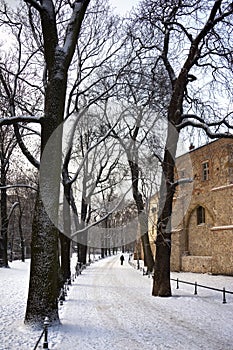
202 248
208 246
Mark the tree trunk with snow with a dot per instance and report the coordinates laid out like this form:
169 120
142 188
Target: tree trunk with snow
218 12
43 288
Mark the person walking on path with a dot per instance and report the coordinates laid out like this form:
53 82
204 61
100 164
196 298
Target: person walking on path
122 259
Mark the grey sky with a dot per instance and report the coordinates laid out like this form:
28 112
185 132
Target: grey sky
123 6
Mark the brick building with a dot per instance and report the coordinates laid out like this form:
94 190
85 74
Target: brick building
202 235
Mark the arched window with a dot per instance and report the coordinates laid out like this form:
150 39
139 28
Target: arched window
200 215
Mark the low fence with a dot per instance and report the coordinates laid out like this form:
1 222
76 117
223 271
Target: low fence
61 298
63 292
45 333
195 284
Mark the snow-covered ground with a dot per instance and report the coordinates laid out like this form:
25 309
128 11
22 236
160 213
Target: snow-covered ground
110 306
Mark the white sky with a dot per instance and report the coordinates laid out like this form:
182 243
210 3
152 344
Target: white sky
123 6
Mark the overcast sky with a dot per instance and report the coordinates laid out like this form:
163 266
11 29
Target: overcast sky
123 6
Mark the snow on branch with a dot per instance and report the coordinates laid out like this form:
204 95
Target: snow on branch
12 209
220 122
206 128
181 182
7 187
20 119
35 4
198 122
73 28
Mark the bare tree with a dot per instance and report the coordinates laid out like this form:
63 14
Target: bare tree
56 44
192 41
132 133
21 199
92 160
140 101
13 95
51 32
7 145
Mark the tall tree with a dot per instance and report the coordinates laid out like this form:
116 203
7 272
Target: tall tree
7 145
193 41
54 32
92 160
132 132
139 98
96 48
42 298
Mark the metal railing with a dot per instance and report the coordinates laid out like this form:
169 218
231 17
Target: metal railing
63 291
45 333
80 267
195 284
61 298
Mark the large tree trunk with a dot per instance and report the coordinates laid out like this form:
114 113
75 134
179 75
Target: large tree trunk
43 287
161 282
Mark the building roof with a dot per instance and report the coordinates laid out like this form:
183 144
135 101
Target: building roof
194 149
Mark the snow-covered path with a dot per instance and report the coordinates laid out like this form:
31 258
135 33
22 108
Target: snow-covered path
111 307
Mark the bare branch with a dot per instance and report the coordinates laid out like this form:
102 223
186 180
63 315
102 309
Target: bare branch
201 120
8 187
181 182
12 209
105 216
20 119
90 149
206 128
33 132
73 28
34 4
